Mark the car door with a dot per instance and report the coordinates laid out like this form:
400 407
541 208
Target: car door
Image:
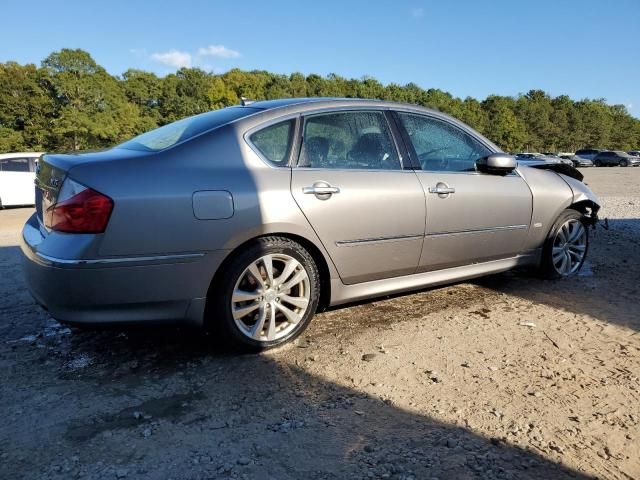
16 185
472 217
368 211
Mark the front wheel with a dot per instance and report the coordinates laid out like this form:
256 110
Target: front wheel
624 163
266 295
598 163
565 249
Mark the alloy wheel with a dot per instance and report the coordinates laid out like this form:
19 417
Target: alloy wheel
569 247
271 297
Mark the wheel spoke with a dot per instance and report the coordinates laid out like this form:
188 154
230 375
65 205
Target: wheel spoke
577 248
557 254
255 272
576 232
244 311
297 278
243 296
299 302
292 316
256 331
288 269
271 330
268 266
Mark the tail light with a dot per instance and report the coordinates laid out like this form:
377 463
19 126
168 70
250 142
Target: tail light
79 209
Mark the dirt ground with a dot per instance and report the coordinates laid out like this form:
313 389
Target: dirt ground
504 377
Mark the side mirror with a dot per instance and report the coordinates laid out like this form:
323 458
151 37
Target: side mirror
497 164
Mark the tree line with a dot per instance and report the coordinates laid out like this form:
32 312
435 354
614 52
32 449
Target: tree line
71 103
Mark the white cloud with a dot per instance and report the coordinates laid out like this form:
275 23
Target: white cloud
629 106
173 58
219 51
417 12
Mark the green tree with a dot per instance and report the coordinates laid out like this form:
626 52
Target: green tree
26 108
91 109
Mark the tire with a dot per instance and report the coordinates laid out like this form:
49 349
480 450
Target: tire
624 163
597 163
568 225
263 299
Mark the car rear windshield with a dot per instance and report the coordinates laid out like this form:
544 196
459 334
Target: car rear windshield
177 132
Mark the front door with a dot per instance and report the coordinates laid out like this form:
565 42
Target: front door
472 217
366 209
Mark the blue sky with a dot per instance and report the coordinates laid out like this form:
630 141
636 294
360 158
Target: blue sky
583 48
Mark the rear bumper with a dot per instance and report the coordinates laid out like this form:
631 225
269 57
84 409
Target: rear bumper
164 288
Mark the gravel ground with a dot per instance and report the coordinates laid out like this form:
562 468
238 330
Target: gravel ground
505 377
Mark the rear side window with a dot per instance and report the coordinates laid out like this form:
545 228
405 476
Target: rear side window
348 140
14 165
441 146
177 132
274 142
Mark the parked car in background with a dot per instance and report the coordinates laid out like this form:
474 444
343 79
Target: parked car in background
578 161
17 176
588 153
615 157
634 153
541 156
242 219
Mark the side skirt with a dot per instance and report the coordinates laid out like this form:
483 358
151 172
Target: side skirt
341 293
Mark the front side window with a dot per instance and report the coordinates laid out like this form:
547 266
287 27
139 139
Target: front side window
441 146
274 142
348 140
14 165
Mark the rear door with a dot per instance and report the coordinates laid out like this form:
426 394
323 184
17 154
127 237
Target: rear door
368 211
472 217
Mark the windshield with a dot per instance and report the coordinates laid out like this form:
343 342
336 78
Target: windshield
176 132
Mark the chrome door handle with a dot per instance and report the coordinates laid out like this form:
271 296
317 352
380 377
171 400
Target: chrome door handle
320 190
442 190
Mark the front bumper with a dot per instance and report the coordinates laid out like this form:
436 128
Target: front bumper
169 288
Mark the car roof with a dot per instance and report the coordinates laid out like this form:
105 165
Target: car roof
268 110
308 103
4 156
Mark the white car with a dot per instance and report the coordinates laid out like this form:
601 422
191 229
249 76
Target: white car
17 177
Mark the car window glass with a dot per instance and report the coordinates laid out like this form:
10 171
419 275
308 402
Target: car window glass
441 146
14 165
274 142
348 140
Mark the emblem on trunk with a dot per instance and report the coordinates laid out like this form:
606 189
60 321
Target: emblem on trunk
54 182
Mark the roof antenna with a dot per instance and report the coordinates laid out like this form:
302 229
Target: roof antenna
244 101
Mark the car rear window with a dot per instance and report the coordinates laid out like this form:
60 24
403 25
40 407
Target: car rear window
177 132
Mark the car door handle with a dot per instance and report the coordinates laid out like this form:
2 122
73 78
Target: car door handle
320 190
442 190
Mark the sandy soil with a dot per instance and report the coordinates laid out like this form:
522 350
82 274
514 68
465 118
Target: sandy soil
505 377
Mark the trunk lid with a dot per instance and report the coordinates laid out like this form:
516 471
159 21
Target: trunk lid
52 170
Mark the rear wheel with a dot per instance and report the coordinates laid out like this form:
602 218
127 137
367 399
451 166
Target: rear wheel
624 163
266 295
565 249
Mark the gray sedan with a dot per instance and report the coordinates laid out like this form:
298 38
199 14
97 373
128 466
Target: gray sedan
248 219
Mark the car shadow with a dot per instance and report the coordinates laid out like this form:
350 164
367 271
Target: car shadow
170 402
158 399
607 288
